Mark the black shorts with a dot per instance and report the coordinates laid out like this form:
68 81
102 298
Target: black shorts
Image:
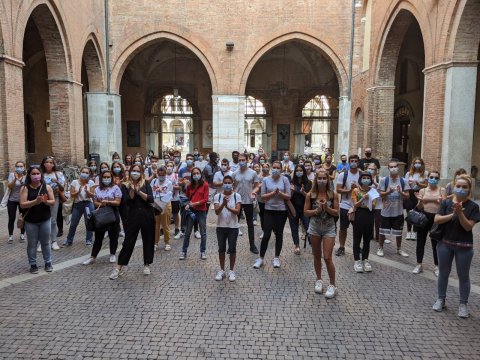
175 207
392 225
344 222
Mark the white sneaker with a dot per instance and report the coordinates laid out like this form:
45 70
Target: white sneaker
240 233
115 274
387 241
10 239
106 235
380 252
168 247
155 247
197 234
258 263
22 237
276 263
408 236
418 269
89 261
435 271
261 236
179 235
122 234
55 246
358 266
146 270
439 305
254 222
203 256
413 236
402 253
319 287
182 255
331 292
113 258
220 275
231 276
366 266
463 311
39 248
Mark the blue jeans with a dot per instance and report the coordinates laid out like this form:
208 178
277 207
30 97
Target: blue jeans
294 225
53 219
38 232
202 223
78 211
463 260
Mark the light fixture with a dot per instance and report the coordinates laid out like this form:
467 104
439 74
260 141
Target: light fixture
229 45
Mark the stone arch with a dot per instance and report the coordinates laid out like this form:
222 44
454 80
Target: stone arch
93 65
464 39
325 49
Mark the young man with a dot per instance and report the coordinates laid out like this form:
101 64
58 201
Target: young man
393 189
346 181
150 171
234 163
287 165
177 160
227 207
219 175
368 159
208 173
342 166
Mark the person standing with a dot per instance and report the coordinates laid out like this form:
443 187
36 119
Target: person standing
163 189
234 163
299 187
219 175
287 165
261 203
331 169
16 180
308 169
368 159
372 169
343 166
208 174
175 203
417 179
185 177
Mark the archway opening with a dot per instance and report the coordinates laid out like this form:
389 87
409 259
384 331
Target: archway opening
256 135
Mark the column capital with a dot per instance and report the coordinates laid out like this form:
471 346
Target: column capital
449 64
12 61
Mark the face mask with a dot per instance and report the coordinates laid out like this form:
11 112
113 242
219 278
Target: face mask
117 170
344 161
19 170
261 161
138 163
35 178
285 158
368 154
207 158
116 160
265 171
394 171
322 182
84 176
106 182
176 160
328 161
224 167
433 181
242 164
161 178
366 182
371 171
316 161
417 166
275 172
93 168
189 163
460 193
260 153
135 175
197 177
227 187
103 170
200 158
353 165
169 170
299 173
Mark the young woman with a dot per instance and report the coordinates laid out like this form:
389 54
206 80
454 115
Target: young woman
106 194
162 189
458 216
417 179
196 209
36 200
138 196
451 185
15 182
299 187
261 204
321 205
175 203
308 169
103 167
115 157
372 169
331 169
118 171
275 190
81 190
429 200
128 161
227 207
92 165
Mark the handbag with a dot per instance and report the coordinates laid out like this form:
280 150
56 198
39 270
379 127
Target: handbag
6 196
291 213
103 217
417 218
61 194
437 231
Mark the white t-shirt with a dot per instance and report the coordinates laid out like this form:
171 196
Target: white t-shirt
287 166
173 177
82 195
218 177
227 219
164 190
346 202
415 177
393 202
244 183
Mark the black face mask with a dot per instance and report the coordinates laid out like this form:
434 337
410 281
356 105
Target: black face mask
368 154
344 161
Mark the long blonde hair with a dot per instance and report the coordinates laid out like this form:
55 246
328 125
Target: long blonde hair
141 181
468 179
315 190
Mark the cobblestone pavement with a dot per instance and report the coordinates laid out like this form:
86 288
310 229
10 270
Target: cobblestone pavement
180 311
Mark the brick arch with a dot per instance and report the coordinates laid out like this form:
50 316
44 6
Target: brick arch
310 40
93 65
141 43
464 40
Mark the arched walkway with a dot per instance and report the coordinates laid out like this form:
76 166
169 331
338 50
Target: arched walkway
93 66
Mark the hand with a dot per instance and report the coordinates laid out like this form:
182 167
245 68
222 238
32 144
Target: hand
225 200
457 208
55 181
187 207
353 185
253 195
85 188
365 197
276 191
104 202
398 188
292 187
155 187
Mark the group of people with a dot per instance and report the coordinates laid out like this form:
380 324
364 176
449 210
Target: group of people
317 197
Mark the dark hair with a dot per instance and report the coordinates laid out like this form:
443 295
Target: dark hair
115 154
189 155
225 160
366 174
46 158
86 167
353 156
227 177
100 167
122 171
162 168
242 155
213 156
131 157
100 182
92 162
28 181
303 180
195 183
235 152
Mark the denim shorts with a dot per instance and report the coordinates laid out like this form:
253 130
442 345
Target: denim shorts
322 229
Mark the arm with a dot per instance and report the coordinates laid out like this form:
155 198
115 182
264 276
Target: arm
287 194
51 196
11 181
24 203
307 207
334 210
466 223
73 193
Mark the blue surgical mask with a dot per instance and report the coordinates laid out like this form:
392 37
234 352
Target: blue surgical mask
106 182
261 161
227 187
316 161
275 172
433 181
242 163
135 175
137 163
176 160
353 165
460 193
19 170
103 170
161 178
116 160
417 166
93 168
371 171
189 163
84 176
366 182
285 158
299 173
197 177
117 170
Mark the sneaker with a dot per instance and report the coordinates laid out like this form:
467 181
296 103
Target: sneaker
261 236
39 248
182 255
380 252
418 269
88 243
33 269
435 271
276 263
258 263
387 241
319 287
10 239
253 249
296 251
176 232
231 276
358 266
463 311
408 236
115 274
155 247
22 238
65 244
240 233
340 251
48 267
402 253
89 261
439 305
179 235
331 292
413 236
168 247
203 256
366 266
197 234
60 233
113 258
55 246
220 275
121 234
146 270
254 222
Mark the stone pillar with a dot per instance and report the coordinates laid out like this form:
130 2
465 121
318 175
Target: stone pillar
228 124
104 124
344 111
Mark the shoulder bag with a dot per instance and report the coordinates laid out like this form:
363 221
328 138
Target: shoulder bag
61 194
103 217
417 218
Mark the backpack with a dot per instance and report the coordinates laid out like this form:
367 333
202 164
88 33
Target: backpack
407 203
206 175
387 181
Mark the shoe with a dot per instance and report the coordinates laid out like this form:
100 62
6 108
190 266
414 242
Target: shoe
203 256
240 233
220 275
10 239
168 247
89 261
253 249
254 222
418 269
331 292
435 271
296 251
182 255
60 233
366 266
408 236
402 253
261 236
65 244
39 248
231 276
413 236
197 234
22 238
88 243
380 252
276 263
340 251
115 274
319 287
48 267
55 246
258 263
146 270
387 241
176 232
113 258
33 269
179 235
155 247
463 311
358 266
439 305
121 234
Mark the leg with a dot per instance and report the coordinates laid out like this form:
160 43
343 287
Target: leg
248 210
97 244
269 220
44 238
53 219
175 211
278 228
131 234
344 224
158 222
357 238
378 220
202 223
421 240
367 235
113 234
165 223
77 212
294 228
328 244
261 206
89 234
60 218
434 249
188 231
12 213
232 246
463 260
32 239
317 255
222 246
146 226
445 260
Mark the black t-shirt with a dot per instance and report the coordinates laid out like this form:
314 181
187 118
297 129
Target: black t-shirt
454 231
364 163
40 212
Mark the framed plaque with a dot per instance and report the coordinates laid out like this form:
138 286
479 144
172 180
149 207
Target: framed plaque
283 137
133 133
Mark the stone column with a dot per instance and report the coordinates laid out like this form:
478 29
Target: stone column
344 111
104 124
228 124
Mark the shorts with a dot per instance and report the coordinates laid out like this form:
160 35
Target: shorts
224 236
344 222
322 229
175 207
392 225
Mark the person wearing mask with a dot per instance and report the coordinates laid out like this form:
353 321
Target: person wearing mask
163 189
118 172
451 185
458 216
177 160
227 207
234 163
149 157
185 177
262 159
258 169
175 203
308 169
208 174
106 194
372 169
36 200
261 203
56 180
343 166
81 190
275 190
138 160
287 165
220 174
331 169
103 167
115 157
317 163
196 210
299 188
151 170
138 196
246 184
393 189
429 200
200 162
346 182
16 180
128 161
368 159
93 166
321 206
417 179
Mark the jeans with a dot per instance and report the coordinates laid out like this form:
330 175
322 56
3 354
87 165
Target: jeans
248 210
261 207
463 260
183 220
201 217
294 225
12 214
273 221
78 211
53 219
38 232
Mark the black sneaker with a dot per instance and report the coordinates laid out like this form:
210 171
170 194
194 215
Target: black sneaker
33 269
60 233
48 267
253 249
176 232
340 251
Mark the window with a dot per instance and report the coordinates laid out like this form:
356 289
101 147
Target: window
255 122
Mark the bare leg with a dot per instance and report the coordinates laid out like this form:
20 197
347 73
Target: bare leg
316 242
328 244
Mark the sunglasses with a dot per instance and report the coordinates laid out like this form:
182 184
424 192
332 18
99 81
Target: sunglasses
434 178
